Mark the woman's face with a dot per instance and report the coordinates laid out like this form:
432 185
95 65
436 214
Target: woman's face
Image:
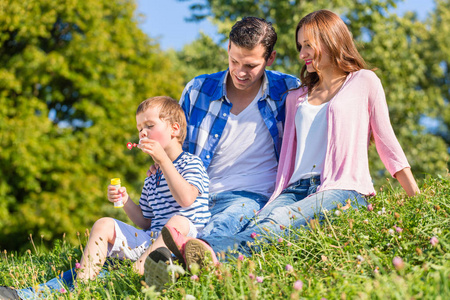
307 54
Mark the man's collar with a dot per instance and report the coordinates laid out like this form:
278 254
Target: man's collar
221 92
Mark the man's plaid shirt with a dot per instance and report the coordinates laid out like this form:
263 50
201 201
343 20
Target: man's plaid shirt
207 110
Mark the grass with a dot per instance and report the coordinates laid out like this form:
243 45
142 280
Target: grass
348 256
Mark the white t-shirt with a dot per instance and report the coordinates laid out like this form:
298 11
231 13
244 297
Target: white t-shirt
244 159
311 132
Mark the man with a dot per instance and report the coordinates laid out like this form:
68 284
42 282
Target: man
235 122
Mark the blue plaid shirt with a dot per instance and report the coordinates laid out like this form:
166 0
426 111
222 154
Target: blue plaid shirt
207 110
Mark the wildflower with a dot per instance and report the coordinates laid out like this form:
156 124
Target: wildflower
434 241
241 257
179 269
63 290
251 276
398 229
366 221
282 227
360 258
189 297
398 263
298 285
377 270
289 268
280 240
253 235
383 210
391 231
370 207
194 278
259 279
289 244
77 265
337 212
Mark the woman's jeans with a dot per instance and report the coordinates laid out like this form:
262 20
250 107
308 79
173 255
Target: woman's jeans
294 207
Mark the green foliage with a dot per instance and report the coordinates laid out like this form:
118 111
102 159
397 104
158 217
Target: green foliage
202 56
72 75
411 57
348 256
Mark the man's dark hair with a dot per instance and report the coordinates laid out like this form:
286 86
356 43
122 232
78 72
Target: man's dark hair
251 31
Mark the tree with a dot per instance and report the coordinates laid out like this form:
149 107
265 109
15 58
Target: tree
202 56
410 57
72 75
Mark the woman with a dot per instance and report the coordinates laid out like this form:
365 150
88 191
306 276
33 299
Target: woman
329 122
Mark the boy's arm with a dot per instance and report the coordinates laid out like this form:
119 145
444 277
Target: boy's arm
135 214
182 191
132 210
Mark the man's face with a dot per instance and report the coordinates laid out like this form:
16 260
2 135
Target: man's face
247 66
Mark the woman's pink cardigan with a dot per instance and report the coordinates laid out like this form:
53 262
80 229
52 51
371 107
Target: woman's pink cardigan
356 111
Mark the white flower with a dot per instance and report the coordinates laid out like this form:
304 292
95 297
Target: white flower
176 269
189 297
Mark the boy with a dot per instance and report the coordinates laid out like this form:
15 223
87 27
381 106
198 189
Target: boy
177 195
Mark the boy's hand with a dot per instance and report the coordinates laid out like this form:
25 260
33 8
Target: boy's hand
115 194
154 149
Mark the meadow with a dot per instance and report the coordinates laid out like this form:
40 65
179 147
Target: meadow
397 248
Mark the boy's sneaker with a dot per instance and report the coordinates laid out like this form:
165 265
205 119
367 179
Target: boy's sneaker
7 293
157 267
199 252
175 241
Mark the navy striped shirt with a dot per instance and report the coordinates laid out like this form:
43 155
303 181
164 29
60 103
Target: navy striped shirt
156 200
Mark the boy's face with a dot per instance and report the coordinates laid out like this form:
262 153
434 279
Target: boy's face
151 126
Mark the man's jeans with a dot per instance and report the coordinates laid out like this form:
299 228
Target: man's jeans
293 208
231 212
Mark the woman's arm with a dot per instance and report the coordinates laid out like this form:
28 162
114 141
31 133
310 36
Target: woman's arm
407 181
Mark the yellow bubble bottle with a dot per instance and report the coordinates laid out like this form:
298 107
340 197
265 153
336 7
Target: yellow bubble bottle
116 182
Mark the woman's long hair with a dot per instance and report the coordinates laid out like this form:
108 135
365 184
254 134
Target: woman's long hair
327 32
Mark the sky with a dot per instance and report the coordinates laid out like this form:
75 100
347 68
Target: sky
164 20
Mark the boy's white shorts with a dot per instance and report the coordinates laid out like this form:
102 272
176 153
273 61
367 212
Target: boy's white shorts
131 242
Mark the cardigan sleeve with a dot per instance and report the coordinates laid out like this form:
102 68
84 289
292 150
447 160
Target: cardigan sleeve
386 142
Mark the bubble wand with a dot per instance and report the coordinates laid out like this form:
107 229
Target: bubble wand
131 145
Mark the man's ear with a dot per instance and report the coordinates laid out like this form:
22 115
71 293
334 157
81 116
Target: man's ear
271 58
175 129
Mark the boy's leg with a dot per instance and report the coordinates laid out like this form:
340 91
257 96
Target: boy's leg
231 212
156 267
95 252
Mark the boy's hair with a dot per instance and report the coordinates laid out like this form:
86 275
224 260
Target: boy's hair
170 111
252 31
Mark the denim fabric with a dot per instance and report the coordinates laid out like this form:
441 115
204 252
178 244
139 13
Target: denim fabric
231 212
57 284
66 282
293 208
